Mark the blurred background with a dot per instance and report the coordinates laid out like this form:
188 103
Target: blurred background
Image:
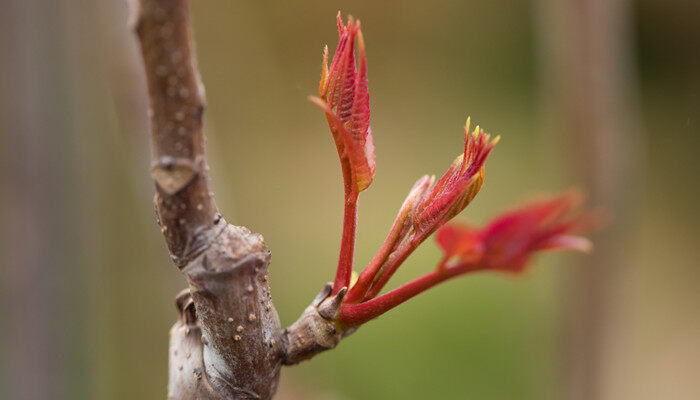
600 94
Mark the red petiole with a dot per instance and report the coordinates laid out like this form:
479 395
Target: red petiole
347 244
357 314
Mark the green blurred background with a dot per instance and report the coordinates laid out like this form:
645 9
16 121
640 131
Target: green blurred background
599 94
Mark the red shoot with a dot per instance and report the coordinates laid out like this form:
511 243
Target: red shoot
345 100
398 231
505 244
450 195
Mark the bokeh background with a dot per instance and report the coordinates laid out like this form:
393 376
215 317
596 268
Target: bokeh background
600 94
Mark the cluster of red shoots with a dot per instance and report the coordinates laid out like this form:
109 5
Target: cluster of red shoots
505 244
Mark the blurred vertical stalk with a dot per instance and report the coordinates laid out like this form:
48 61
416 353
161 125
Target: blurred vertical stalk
38 272
588 76
26 203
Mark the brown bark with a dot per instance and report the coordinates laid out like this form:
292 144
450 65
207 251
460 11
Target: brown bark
313 332
227 343
233 339
184 202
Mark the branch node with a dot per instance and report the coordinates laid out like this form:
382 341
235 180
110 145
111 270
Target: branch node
314 331
173 174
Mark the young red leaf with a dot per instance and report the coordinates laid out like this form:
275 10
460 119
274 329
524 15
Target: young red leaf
505 244
458 187
450 195
508 242
345 100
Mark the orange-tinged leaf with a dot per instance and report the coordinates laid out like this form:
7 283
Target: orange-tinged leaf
324 73
458 186
345 100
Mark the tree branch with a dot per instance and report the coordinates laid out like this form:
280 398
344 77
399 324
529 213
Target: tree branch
230 347
185 203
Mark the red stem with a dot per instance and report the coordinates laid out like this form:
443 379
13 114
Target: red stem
357 314
347 244
393 264
358 291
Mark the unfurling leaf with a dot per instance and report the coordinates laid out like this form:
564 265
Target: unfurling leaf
460 184
508 242
344 98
